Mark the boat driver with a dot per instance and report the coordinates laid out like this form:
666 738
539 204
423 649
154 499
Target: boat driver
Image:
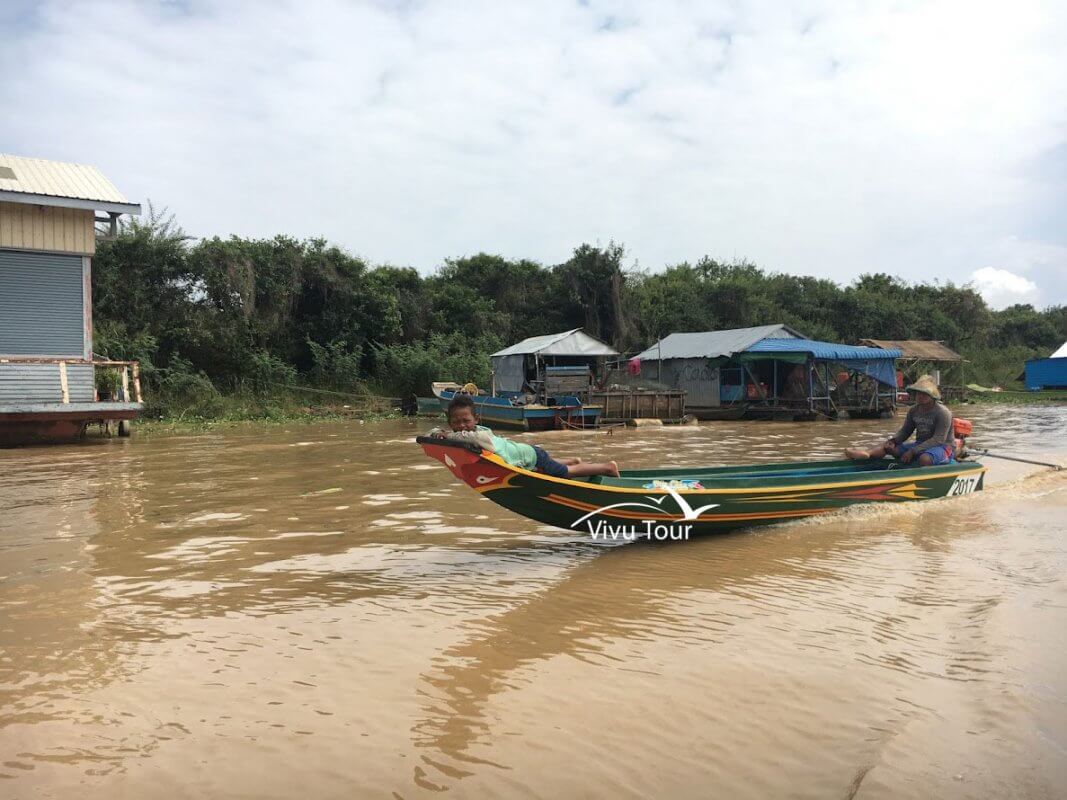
931 422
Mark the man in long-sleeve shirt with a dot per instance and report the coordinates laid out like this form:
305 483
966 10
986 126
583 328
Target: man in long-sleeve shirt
929 420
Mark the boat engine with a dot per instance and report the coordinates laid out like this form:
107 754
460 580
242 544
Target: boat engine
961 429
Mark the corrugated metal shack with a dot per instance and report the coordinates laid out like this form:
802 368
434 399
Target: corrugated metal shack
47 240
773 372
555 363
574 363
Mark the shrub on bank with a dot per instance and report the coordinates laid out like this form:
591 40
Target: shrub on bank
214 322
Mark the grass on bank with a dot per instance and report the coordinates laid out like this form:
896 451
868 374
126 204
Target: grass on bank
1017 394
281 405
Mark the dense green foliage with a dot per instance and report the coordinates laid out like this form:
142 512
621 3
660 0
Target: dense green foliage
248 317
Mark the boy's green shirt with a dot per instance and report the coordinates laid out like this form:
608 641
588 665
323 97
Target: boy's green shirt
515 453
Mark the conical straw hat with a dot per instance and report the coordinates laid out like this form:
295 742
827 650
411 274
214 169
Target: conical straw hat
926 385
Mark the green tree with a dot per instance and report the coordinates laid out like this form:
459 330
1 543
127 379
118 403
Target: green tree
596 282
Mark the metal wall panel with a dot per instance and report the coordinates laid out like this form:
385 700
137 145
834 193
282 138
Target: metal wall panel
39 383
42 309
33 227
1046 373
694 376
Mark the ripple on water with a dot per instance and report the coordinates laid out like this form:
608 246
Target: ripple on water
383 499
216 516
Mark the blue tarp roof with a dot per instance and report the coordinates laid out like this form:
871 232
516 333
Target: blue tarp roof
823 350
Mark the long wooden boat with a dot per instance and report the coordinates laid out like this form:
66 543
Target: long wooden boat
500 412
679 502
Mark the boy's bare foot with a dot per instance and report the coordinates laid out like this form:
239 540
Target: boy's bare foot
614 469
856 454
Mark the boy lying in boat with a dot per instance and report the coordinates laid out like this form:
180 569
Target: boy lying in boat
931 422
463 426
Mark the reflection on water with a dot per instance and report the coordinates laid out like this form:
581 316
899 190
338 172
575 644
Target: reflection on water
319 609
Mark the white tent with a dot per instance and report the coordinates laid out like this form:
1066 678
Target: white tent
509 364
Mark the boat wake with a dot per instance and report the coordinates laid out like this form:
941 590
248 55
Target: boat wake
1032 485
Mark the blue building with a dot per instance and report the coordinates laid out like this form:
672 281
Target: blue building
1048 373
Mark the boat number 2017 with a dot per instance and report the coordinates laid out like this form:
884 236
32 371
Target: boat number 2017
964 485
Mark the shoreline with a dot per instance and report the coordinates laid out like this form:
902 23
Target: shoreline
273 416
192 424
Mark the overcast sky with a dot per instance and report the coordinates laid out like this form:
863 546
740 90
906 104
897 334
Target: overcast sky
924 139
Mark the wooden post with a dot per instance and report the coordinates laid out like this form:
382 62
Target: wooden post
137 381
826 382
125 384
811 385
63 389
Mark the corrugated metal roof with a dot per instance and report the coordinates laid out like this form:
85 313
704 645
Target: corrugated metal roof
533 344
824 350
916 348
57 179
715 344
572 342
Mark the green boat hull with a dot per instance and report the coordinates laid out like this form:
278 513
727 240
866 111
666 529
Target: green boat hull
635 506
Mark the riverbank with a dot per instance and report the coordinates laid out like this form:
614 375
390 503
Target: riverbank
238 410
304 405
310 417
1017 397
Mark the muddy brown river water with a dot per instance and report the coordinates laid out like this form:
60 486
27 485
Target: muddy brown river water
320 611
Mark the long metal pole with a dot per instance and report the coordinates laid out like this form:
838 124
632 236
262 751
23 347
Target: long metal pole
1056 467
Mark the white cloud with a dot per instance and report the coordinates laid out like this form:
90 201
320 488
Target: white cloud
1002 288
1039 270
814 137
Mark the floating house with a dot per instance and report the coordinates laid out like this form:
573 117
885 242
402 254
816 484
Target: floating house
1048 373
558 380
556 363
541 383
927 357
48 216
573 363
773 372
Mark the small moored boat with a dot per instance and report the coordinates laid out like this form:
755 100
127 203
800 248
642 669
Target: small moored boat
428 406
564 411
678 502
